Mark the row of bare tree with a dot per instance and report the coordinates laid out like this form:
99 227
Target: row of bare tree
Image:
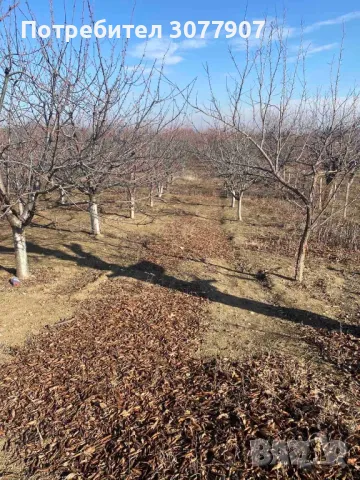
76 117
275 127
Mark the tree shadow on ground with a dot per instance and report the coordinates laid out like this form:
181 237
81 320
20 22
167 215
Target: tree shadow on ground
11 271
58 228
178 200
152 273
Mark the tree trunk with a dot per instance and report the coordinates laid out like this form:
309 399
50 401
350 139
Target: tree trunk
22 265
62 197
151 196
239 211
132 205
94 216
300 261
333 199
347 196
320 193
233 199
160 191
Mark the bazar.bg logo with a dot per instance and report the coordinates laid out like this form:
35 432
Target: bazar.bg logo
297 453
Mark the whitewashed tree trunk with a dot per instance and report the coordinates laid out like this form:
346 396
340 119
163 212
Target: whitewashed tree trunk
239 212
94 216
132 205
160 190
62 197
21 258
301 255
233 199
151 196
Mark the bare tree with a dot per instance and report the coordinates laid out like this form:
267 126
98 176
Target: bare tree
115 120
232 159
73 115
290 126
167 154
353 169
36 86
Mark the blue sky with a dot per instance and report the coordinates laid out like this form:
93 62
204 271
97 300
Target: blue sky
323 21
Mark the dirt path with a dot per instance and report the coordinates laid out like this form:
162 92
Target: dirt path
191 235
241 316
248 313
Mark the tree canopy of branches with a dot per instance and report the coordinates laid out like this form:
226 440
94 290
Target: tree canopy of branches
233 160
75 115
312 133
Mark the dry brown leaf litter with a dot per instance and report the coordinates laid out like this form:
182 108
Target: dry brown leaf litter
121 393
190 239
339 349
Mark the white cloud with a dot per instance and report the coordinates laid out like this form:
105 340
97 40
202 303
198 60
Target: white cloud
272 27
158 49
348 17
322 48
310 49
240 44
292 32
172 52
167 50
193 43
138 69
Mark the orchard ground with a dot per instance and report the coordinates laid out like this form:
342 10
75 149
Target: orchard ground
189 241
